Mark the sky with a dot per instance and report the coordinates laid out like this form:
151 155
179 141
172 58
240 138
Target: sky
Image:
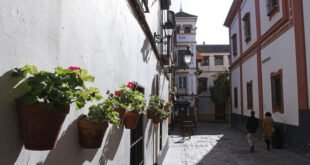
211 17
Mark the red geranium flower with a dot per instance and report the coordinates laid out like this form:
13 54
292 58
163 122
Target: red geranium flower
131 85
166 108
74 68
118 93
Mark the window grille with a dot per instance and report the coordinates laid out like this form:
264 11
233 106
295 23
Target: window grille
136 139
218 60
247 27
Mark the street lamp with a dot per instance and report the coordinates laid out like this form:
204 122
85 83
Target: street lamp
188 55
187 58
168 28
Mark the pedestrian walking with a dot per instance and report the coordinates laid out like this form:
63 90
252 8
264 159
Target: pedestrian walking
251 126
267 129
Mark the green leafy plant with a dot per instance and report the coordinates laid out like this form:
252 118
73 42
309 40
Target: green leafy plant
168 106
159 107
155 103
128 97
220 89
103 111
63 86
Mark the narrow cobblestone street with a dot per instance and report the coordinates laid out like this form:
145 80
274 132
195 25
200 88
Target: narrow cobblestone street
218 144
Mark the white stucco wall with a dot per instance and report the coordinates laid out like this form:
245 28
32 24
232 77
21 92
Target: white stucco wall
186 37
100 36
216 68
206 106
306 11
250 74
248 6
183 41
282 56
234 29
235 82
266 21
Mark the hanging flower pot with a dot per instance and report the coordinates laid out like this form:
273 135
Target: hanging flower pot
156 119
39 126
121 112
91 133
150 114
131 120
43 108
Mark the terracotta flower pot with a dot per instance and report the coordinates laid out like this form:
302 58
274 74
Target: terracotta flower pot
150 114
131 120
121 112
156 120
39 126
91 133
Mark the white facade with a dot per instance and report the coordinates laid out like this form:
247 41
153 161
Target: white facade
235 84
185 79
267 23
250 75
284 58
276 61
248 7
103 37
210 71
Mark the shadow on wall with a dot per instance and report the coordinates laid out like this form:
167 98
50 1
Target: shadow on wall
159 68
112 144
145 50
68 150
10 139
149 132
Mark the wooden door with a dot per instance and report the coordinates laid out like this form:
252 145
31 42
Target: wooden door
220 112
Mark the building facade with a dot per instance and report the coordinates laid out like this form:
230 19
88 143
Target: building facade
214 60
114 41
269 71
185 78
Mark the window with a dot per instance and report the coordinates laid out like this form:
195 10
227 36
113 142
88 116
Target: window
277 91
181 62
187 29
203 85
218 60
249 92
272 7
205 61
177 29
236 97
136 140
234 44
247 27
160 136
182 82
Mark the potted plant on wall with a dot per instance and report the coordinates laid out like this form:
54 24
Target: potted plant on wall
44 106
131 99
155 104
168 108
115 99
93 126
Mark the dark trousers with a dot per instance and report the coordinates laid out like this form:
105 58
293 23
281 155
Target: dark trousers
268 141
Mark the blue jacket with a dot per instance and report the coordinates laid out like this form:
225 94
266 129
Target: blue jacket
252 124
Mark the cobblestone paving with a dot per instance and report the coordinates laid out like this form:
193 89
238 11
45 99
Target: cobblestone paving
218 144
